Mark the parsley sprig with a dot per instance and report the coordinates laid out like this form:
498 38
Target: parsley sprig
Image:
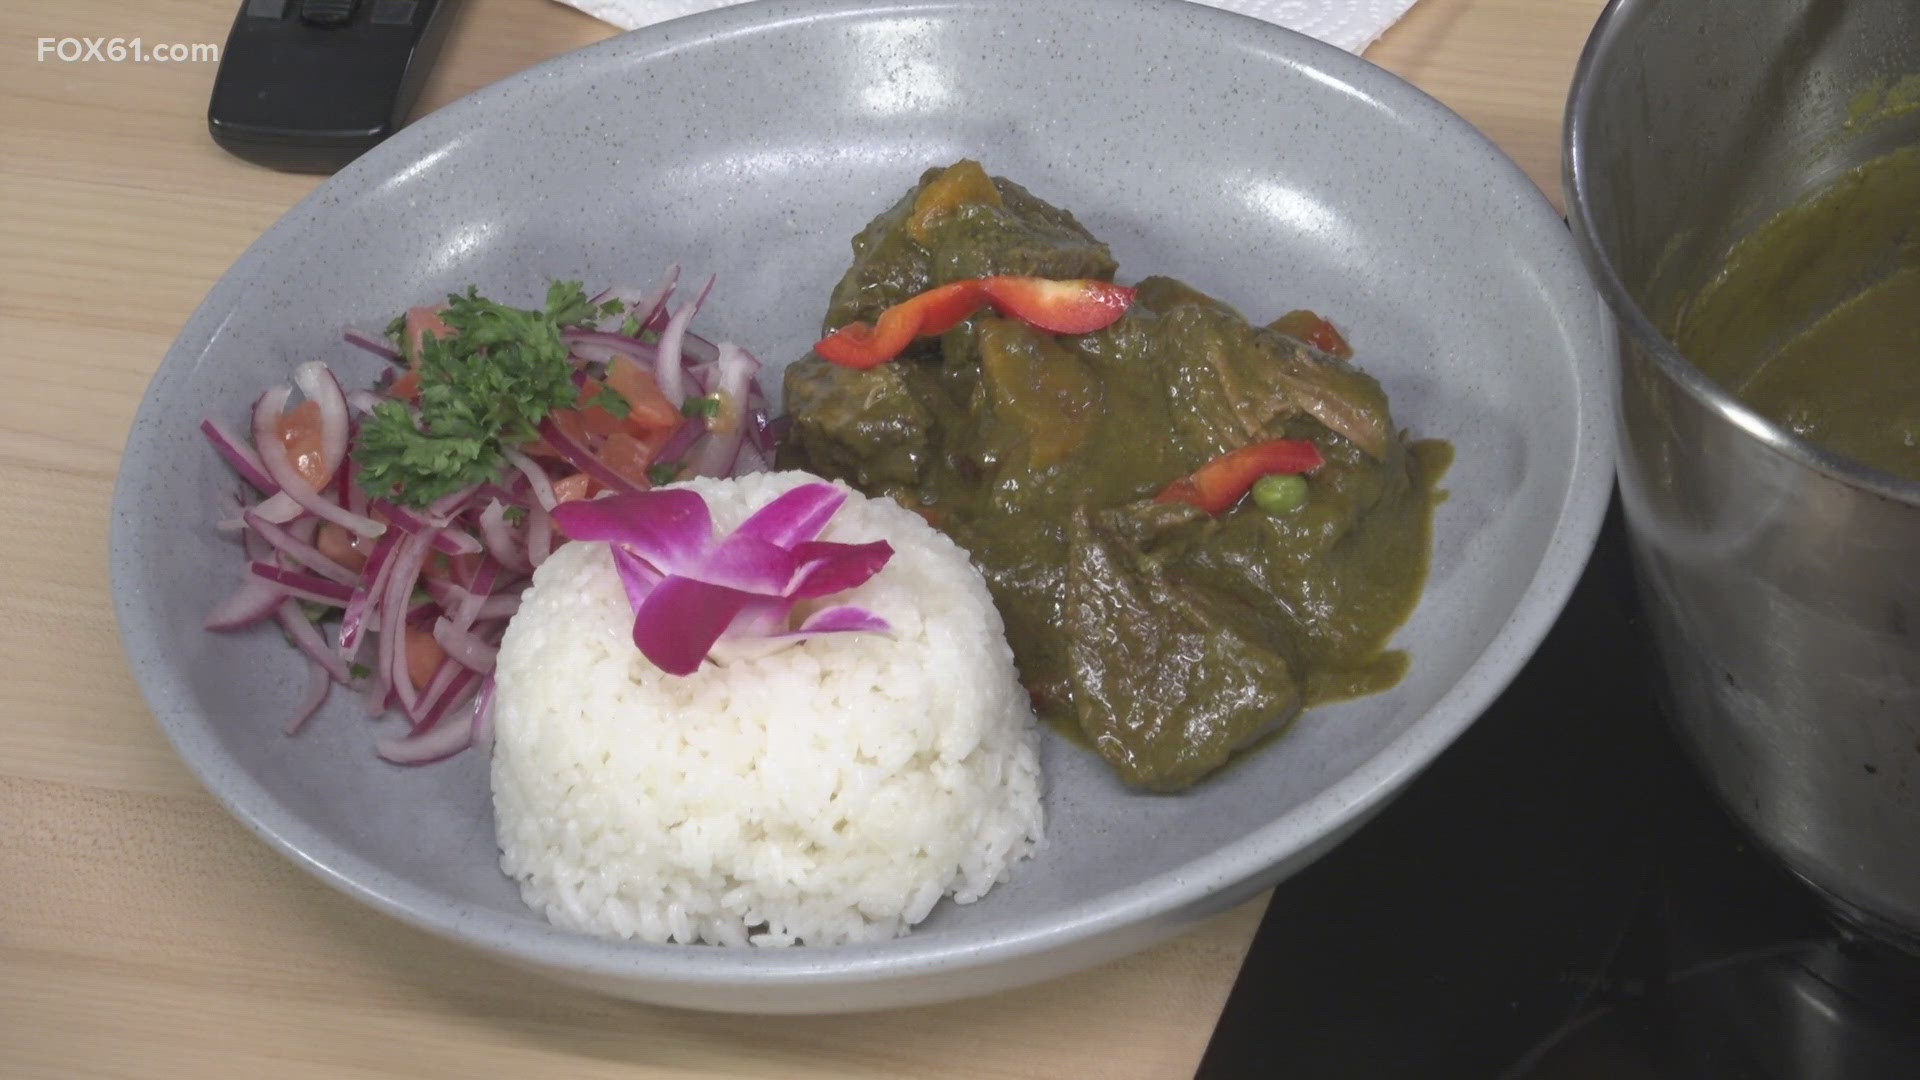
486 387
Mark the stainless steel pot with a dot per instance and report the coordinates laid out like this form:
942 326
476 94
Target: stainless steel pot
1782 581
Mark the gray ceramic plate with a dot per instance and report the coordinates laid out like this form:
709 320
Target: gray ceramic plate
1269 169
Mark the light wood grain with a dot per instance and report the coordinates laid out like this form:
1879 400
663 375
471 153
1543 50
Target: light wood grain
145 934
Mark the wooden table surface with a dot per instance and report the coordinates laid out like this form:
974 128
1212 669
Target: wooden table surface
145 934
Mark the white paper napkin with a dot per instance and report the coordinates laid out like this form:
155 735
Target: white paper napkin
1351 24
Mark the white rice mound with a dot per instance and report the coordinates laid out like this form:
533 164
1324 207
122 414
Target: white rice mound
830 793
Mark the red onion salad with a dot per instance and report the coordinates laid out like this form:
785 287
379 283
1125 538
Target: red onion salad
407 605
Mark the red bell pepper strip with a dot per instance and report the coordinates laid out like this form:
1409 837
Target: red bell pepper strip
1315 331
1078 306
1216 486
1059 307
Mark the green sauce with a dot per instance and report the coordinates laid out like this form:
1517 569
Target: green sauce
1166 639
1815 320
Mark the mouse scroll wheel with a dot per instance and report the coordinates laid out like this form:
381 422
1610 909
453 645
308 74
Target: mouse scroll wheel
326 12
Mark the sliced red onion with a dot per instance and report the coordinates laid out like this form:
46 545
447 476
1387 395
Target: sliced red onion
443 537
304 529
459 689
375 344
304 586
347 476
239 455
304 553
279 507
716 456
446 507
485 578
700 379
255 600
273 455
757 438
422 705
600 347
437 743
667 363
316 380
697 349
464 646
307 637
497 535
364 606
447 594
750 460
363 401
536 476
497 607
319 684
640 305
483 717
539 535
407 560
683 439
379 691
514 495
777 429
577 455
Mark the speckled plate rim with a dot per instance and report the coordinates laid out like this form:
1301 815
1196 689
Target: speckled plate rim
1351 799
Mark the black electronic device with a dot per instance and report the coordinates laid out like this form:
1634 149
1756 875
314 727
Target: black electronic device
309 85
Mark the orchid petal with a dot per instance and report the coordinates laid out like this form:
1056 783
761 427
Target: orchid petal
637 575
844 619
745 563
681 619
764 616
796 516
668 527
696 599
822 567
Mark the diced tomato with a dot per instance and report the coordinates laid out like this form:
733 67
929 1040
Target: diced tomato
594 419
569 488
647 408
424 656
422 321
1216 486
629 456
341 546
300 433
406 387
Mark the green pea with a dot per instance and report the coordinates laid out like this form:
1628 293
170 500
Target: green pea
1280 494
